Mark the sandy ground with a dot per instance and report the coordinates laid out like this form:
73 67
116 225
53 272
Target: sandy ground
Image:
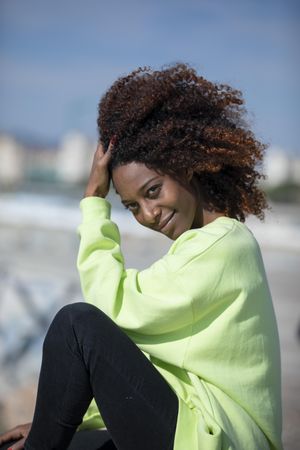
42 257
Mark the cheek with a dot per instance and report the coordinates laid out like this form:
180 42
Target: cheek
139 219
189 206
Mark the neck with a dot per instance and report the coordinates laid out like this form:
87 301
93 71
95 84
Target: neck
210 216
203 216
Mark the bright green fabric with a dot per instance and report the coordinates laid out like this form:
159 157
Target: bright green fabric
204 317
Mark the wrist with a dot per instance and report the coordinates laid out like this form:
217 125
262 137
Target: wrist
94 193
86 195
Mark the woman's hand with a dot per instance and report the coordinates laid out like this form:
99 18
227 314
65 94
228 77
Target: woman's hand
20 432
99 180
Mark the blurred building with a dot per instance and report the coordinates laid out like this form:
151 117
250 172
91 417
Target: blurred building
281 167
74 158
295 171
40 164
277 167
70 162
12 161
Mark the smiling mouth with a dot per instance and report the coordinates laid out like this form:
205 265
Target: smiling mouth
167 221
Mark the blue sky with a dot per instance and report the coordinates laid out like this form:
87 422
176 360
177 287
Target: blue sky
58 57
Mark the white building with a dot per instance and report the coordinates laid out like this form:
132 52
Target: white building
281 167
11 161
277 166
74 158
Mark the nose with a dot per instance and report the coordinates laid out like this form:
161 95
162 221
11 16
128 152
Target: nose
151 215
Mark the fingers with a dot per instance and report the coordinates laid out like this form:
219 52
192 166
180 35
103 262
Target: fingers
19 432
99 179
112 141
101 151
10 435
18 445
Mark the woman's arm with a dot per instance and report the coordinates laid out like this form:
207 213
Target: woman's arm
149 302
152 301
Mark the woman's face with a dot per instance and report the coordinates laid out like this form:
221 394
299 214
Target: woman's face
159 202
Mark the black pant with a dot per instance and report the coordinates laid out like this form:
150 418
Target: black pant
86 355
83 440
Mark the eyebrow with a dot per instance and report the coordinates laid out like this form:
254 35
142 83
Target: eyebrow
141 188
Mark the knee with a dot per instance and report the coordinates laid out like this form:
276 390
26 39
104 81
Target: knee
67 319
74 312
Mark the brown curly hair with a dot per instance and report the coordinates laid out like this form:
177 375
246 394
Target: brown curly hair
173 120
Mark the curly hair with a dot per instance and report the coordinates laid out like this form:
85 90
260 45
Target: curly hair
173 120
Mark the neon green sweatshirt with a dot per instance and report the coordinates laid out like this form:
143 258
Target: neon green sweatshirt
204 317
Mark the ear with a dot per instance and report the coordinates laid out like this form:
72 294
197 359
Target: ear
189 174
185 175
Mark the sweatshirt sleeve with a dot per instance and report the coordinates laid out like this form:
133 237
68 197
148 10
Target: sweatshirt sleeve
152 301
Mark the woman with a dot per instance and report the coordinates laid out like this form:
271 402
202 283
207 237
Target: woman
184 354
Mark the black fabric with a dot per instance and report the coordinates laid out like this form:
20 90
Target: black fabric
84 440
92 440
86 355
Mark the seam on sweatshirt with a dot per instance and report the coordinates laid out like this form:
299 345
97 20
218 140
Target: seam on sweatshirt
191 333
221 238
187 348
210 403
